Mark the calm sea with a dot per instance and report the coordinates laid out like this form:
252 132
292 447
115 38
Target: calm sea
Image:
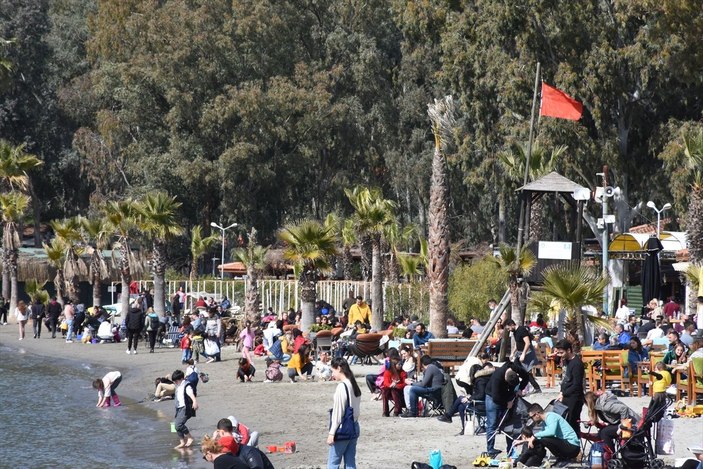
48 419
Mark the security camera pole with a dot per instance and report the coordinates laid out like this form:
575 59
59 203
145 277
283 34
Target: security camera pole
605 238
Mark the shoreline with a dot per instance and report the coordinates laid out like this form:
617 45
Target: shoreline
285 411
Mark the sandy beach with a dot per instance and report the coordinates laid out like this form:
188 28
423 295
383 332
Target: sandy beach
294 411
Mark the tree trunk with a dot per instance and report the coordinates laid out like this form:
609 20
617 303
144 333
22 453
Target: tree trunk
376 285
347 263
537 221
251 302
159 272
125 274
501 218
515 314
694 225
58 286
366 258
13 290
96 290
193 270
438 246
308 295
6 268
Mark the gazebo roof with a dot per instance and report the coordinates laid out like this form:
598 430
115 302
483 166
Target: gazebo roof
552 182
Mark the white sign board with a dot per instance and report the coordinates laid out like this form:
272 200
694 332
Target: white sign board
554 250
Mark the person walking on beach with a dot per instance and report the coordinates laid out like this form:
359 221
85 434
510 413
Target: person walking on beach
346 395
69 313
22 314
186 405
106 389
37 314
135 323
152 325
53 311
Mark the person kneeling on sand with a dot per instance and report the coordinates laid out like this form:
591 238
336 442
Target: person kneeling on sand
106 389
186 405
300 365
557 436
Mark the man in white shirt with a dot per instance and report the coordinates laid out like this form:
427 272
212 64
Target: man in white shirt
623 312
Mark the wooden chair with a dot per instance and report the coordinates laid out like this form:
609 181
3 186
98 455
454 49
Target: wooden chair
592 360
613 369
643 372
541 352
683 385
695 378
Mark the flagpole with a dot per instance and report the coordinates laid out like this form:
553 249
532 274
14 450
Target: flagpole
523 201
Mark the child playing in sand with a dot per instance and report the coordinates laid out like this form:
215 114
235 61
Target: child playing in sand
185 346
273 371
246 370
323 368
106 389
186 405
530 456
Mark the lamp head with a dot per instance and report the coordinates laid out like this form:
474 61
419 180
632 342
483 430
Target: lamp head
231 226
214 225
650 204
666 206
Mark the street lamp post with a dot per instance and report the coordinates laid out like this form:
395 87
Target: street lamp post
222 259
666 206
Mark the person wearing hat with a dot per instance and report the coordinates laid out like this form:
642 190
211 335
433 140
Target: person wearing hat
360 311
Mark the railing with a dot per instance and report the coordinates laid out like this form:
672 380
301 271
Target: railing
283 294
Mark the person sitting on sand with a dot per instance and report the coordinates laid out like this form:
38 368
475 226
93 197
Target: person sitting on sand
300 365
165 387
241 433
186 405
273 371
246 370
106 389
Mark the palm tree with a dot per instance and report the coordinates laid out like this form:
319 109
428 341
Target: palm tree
514 267
13 206
372 214
441 115
541 163
156 214
15 165
198 247
309 246
55 254
98 232
410 266
349 238
68 232
253 257
36 290
693 151
574 287
121 216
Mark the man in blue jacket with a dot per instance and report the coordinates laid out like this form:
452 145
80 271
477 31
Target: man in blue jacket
557 436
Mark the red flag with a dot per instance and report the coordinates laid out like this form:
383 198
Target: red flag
556 103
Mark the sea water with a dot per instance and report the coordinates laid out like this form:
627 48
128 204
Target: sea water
48 419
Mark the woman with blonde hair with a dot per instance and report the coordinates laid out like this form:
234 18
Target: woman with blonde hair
220 456
22 315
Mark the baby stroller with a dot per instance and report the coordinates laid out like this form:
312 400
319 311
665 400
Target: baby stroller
638 451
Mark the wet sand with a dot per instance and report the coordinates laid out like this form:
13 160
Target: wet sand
294 411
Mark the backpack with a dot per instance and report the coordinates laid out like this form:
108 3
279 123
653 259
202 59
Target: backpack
154 323
190 412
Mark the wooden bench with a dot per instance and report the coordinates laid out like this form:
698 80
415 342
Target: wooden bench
451 352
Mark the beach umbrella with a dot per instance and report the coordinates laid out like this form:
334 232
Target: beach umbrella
651 273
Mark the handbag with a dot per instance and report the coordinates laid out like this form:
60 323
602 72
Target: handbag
211 347
346 429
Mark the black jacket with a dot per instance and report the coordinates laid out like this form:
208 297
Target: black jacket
499 390
37 311
572 379
54 309
135 319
